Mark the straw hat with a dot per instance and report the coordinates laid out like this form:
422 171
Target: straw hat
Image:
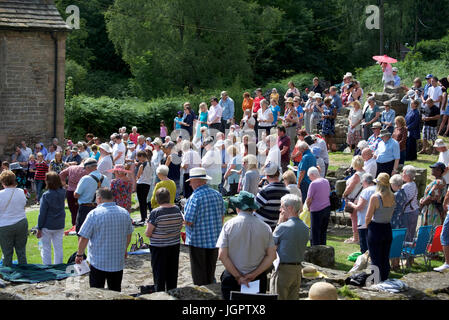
376 125
289 100
106 147
317 96
311 94
198 173
383 179
384 132
322 291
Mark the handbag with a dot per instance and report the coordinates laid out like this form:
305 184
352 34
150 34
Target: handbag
9 201
348 208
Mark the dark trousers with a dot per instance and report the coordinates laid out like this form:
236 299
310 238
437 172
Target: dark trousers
304 187
14 237
319 221
228 284
98 278
165 263
386 167
216 126
187 189
83 211
72 203
40 185
284 166
233 187
142 190
225 125
203 262
411 149
379 243
403 155
363 233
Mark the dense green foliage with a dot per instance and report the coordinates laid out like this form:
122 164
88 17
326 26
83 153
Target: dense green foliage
171 47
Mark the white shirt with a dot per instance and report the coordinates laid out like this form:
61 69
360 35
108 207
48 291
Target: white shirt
261 115
366 195
322 145
14 211
248 120
147 175
274 156
116 149
320 163
84 154
212 163
354 117
192 159
434 93
444 158
105 164
214 114
370 167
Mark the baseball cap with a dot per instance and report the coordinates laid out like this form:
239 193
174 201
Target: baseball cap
429 76
439 165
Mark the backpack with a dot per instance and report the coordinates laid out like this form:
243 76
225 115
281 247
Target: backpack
99 182
335 201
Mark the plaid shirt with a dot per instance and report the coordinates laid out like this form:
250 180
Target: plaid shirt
107 228
373 142
205 209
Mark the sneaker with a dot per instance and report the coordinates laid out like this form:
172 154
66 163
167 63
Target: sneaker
442 268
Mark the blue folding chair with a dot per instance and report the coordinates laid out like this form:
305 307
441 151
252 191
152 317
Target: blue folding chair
418 247
397 243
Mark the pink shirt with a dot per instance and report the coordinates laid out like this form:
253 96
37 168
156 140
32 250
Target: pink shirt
133 137
163 132
319 191
74 174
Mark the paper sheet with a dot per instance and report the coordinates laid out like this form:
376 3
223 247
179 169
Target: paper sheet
81 268
253 287
276 262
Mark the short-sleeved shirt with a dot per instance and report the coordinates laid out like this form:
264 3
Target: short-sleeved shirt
319 191
170 186
205 209
87 187
308 160
291 239
73 174
168 225
14 211
72 158
370 113
275 110
444 158
257 103
388 151
247 239
284 142
120 147
366 195
435 93
269 199
107 227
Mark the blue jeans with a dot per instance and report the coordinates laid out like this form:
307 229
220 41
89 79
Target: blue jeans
363 235
40 184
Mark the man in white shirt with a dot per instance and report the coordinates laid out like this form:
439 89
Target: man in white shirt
26 151
118 150
443 157
274 153
214 114
212 162
370 163
436 93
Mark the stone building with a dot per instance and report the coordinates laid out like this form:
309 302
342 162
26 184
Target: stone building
32 73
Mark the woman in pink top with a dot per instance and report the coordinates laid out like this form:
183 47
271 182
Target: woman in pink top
134 135
163 132
318 202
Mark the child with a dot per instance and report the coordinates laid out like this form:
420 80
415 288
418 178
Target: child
31 169
39 177
163 132
176 123
145 178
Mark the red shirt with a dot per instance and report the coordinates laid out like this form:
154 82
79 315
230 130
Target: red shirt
133 137
257 103
41 170
284 142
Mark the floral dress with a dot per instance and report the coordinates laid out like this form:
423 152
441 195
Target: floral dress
122 191
430 214
397 220
56 166
328 123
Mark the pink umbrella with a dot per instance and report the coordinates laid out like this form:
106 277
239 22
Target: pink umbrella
385 58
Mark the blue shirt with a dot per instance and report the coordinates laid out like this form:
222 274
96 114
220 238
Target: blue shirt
275 111
308 161
397 81
205 209
107 228
299 110
388 151
388 116
228 108
87 186
52 211
426 90
412 120
336 101
177 124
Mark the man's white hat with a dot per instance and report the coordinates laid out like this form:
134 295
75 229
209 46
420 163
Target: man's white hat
198 173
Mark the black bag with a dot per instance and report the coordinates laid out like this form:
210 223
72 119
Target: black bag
99 182
73 256
335 201
358 279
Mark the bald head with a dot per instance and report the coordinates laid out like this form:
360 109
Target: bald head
367 154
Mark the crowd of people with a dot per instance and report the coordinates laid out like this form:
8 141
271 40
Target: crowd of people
272 164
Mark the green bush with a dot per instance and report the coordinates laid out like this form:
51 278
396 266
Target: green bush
433 49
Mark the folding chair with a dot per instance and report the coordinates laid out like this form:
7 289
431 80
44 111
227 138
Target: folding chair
419 245
433 247
236 295
397 243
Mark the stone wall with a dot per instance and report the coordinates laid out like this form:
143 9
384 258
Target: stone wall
27 75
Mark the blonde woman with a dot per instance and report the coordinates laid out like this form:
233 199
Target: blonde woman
400 135
251 177
354 128
202 119
380 210
351 194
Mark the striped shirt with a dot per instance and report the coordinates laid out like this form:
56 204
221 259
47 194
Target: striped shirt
204 209
41 170
269 199
168 225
